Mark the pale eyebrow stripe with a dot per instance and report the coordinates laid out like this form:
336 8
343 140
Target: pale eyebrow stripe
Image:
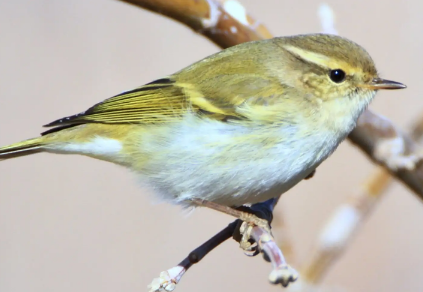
321 60
315 58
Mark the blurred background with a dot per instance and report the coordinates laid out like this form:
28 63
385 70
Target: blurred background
70 223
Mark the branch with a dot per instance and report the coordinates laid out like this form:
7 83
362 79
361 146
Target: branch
226 24
168 279
264 242
391 148
342 226
349 217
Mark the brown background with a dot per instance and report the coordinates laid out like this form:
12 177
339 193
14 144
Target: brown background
70 223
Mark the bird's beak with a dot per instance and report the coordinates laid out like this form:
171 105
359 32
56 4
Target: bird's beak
379 83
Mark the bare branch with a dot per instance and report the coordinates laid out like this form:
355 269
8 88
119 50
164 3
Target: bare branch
350 216
342 226
281 273
225 24
168 279
388 146
284 240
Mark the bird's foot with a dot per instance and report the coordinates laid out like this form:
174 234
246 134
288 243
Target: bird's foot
247 244
249 221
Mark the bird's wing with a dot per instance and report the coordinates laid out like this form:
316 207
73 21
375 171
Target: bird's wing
222 97
151 103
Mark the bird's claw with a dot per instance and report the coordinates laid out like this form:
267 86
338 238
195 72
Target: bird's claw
251 249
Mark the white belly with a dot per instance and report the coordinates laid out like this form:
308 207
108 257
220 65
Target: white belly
231 164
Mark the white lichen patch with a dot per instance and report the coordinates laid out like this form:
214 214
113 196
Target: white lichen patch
237 11
392 153
213 16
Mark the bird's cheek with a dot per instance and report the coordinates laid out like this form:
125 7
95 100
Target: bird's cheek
313 99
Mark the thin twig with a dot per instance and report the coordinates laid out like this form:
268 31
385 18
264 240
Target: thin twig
281 272
168 279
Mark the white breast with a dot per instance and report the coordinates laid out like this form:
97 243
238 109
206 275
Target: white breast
231 164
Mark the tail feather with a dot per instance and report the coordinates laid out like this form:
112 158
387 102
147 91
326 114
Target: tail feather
23 148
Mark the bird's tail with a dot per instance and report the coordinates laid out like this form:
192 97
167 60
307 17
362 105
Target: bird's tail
23 148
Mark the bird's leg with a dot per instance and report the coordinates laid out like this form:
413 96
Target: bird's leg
249 218
256 229
263 211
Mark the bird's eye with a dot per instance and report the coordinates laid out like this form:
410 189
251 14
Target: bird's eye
337 75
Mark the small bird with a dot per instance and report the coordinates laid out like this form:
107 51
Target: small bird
239 127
